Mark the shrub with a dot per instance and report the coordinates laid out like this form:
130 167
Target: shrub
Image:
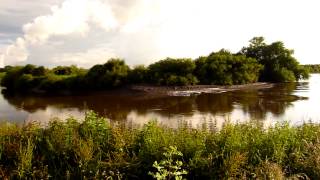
109 75
173 72
138 75
96 149
169 167
279 64
225 68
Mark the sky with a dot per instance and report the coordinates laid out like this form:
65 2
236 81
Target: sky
89 32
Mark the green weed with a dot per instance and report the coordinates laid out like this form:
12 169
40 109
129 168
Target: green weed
96 149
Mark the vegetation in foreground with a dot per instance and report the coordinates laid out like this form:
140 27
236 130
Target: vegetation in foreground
96 149
257 62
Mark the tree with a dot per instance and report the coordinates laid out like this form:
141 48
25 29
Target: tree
11 77
224 68
28 69
39 71
111 74
173 72
312 68
278 61
62 70
138 74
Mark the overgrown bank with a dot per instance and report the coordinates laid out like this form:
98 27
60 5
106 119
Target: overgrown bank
97 149
257 62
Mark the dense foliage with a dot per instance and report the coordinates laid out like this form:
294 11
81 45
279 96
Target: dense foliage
5 69
173 72
313 68
95 149
138 75
33 78
111 74
225 68
279 64
257 62
2 74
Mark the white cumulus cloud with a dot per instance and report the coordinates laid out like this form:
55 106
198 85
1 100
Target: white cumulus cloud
1 60
16 52
86 32
72 17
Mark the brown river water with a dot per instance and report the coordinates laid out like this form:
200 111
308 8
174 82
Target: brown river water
293 102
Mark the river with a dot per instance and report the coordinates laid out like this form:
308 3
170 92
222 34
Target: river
293 102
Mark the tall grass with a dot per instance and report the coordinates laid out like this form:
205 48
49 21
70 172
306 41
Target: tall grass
95 149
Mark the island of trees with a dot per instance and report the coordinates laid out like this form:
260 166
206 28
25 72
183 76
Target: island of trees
257 62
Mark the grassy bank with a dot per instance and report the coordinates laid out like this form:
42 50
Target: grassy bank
97 149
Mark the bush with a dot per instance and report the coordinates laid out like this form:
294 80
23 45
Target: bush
279 64
62 70
109 75
312 68
169 168
24 82
95 149
173 72
224 68
138 75
284 75
2 74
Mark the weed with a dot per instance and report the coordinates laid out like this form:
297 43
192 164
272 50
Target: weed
96 149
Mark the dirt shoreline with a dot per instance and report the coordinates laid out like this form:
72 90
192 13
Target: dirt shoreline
195 89
151 90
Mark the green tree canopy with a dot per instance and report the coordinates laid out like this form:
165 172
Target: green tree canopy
312 68
138 75
23 78
173 72
225 68
278 61
111 74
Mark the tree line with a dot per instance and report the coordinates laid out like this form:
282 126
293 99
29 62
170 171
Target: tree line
257 62
312 68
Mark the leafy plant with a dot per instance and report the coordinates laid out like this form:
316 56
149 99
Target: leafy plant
169 168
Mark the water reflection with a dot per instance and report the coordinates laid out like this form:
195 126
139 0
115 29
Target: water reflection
242 105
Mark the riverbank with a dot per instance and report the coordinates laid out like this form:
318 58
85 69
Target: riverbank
151 90
196 89
96 149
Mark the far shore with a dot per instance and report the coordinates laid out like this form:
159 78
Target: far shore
153 90
195 89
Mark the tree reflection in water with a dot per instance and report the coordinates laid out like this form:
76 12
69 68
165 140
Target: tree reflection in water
117 106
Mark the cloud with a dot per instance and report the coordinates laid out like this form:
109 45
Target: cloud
16 52
91 31
73 17
15 13
86 32
96 55
1 60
